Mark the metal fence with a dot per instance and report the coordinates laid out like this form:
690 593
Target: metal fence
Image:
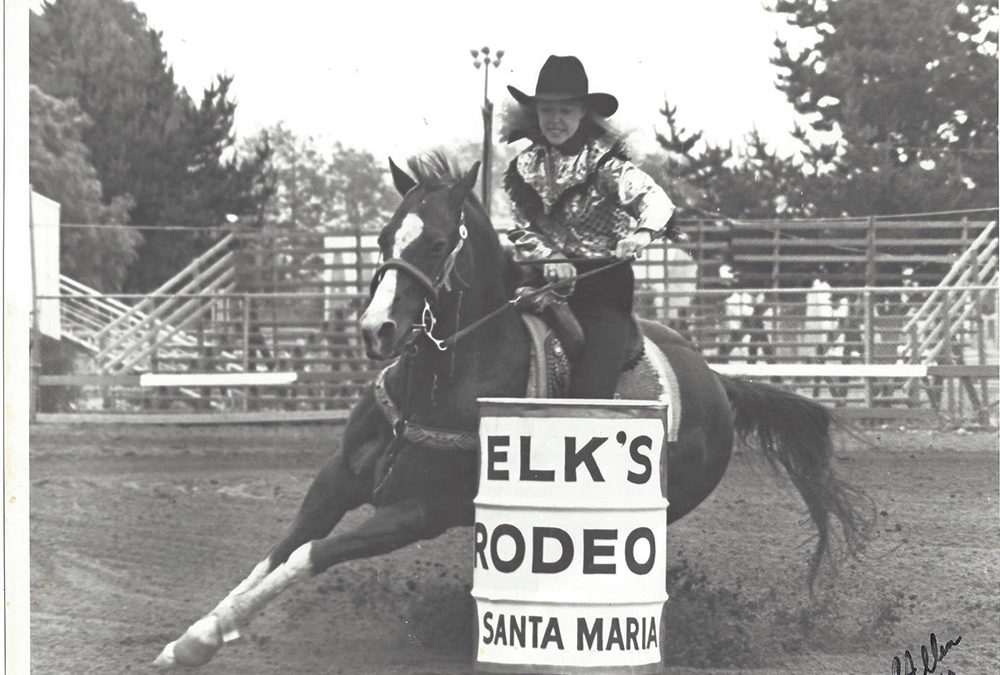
300 354
262 325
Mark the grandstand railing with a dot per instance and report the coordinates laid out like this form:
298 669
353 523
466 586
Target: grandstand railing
284 301
868 251
845 348
156 321
929 329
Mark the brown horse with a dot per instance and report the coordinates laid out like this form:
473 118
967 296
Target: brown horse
446 270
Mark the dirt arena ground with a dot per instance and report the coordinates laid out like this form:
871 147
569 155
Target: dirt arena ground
137 531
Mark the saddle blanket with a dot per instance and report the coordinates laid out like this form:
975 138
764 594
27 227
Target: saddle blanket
651 378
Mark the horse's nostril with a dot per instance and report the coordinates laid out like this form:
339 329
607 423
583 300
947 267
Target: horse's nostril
386 331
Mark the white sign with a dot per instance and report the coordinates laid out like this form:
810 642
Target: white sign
570 535
45 230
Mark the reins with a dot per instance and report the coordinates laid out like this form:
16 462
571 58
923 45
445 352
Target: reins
426 326
522 299
432 287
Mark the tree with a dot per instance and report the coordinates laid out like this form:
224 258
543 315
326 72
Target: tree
301 196
752 181
900 109
909 92
148 139
59 167
315 189
201 189
365 199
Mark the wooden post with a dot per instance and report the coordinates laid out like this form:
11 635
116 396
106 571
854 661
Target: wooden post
154 364
666 280
358 263
246 346
203 362
34 338
487 168
979 297
700 307
870 252
778 306
699 252
984 390
274 289
776 254
869 346
946 317
871 279
105 390
913 391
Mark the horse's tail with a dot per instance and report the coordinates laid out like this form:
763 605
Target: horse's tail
794 431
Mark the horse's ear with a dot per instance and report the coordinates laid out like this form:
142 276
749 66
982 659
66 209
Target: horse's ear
465 184
401 179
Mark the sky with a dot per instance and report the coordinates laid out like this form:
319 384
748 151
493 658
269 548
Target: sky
398 77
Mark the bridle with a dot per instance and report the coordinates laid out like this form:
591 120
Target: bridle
431 287
402 428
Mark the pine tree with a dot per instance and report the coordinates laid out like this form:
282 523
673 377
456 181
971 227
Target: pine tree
908 92
148 139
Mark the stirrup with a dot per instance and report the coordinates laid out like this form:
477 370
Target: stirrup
566 326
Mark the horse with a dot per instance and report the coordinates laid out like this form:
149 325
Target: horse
446 273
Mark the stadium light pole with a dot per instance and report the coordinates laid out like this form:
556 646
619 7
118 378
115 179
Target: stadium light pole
481 59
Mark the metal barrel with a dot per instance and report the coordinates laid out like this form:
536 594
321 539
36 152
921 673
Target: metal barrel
570 543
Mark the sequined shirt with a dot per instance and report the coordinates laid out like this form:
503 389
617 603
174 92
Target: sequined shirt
581 204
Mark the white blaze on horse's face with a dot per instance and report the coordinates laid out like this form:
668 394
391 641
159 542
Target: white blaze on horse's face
409 231
379 312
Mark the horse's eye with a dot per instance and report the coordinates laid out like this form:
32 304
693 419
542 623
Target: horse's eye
438 246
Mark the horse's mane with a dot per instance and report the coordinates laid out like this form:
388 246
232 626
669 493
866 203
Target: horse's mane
434 168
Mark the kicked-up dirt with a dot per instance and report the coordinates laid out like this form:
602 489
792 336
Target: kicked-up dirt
138 531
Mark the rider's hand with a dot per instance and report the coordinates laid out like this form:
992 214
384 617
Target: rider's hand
632 245
558 271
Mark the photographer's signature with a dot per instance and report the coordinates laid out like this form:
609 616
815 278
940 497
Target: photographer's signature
930 658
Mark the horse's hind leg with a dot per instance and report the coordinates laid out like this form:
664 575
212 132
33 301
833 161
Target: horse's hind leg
343 483
389 528
339 487
335 490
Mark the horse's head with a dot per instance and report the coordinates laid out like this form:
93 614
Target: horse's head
420 245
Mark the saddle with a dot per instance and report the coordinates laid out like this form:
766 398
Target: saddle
549 372
646 375
566 330
646 371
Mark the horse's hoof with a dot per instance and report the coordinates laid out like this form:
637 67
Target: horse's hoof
166 659
196 647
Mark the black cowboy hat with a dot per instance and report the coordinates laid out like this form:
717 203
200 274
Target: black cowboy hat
563 78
